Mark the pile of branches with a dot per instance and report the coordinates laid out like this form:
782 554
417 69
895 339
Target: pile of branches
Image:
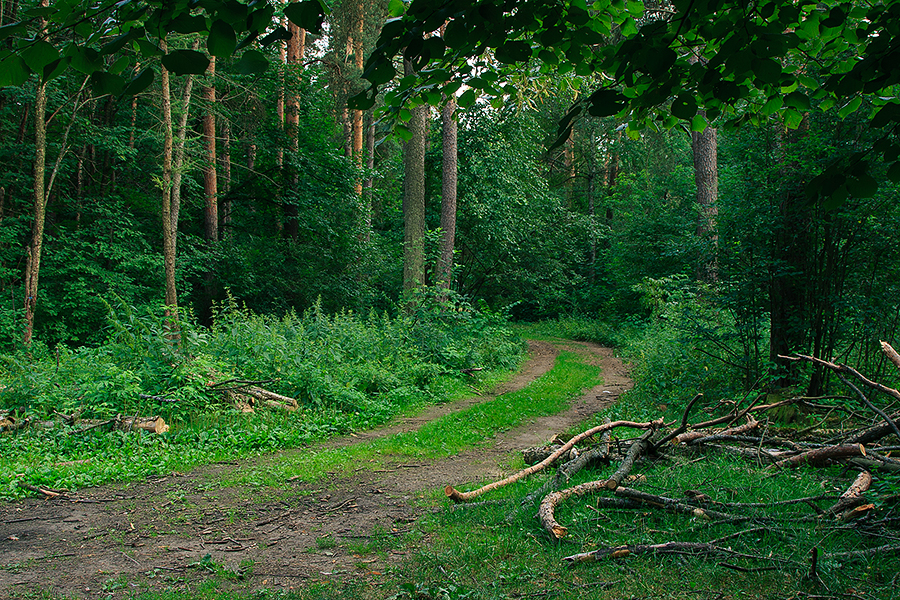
863 451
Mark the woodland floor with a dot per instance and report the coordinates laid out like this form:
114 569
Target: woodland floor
113 541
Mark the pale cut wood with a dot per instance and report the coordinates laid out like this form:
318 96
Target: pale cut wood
458 496
852 496
151 424
891 353
692 436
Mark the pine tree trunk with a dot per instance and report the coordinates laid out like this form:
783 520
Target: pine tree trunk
414 200
210 174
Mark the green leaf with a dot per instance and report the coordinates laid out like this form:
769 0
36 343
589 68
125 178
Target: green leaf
604 103
13 29
797 100
767 70
38 55
792 118
103 83
361 101
251 63
894 172
772 105
513 52
14 72
186 62
58 67
889 113
863 186
684 106
308 15
396 8
85 60
222 40
279 33
456 35
148 49
379 71
850 107
187 23
467 98
836 198
698 123
139 83
403 132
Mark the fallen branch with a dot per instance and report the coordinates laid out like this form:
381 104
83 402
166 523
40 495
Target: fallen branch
634 452
693 436
837 368
822 455
458 496
684 424
633 549
853 496
891 353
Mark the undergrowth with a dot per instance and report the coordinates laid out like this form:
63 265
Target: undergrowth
347 371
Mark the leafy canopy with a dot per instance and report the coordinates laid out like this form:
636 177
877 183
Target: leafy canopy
690 61
116 42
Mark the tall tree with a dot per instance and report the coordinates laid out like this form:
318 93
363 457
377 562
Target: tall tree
706 179
414 198
448 193
210 172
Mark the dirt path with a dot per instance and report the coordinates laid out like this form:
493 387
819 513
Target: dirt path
113 541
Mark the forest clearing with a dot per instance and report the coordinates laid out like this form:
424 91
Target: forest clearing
331 298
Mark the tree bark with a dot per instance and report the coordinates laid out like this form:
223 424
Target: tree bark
414 199
448 194
210 174
706 178
296 48
33 260
458 496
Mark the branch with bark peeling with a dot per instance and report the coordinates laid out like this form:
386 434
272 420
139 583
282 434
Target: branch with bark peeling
457 496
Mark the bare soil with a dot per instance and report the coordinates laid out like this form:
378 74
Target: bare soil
165 532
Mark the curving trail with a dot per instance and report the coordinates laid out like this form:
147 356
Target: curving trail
153 534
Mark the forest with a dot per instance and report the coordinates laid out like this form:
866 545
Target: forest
232 231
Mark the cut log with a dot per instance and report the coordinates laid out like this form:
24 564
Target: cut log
151 424
261 394
852 497
891 353
457 496
820 456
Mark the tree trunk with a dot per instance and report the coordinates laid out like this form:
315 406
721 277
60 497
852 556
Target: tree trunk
448 194
706 178
226 177
33 260
414 199
167 225
296 48
210 175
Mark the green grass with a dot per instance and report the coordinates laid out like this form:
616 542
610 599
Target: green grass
439 438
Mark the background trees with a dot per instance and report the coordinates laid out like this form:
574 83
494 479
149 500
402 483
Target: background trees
577 185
